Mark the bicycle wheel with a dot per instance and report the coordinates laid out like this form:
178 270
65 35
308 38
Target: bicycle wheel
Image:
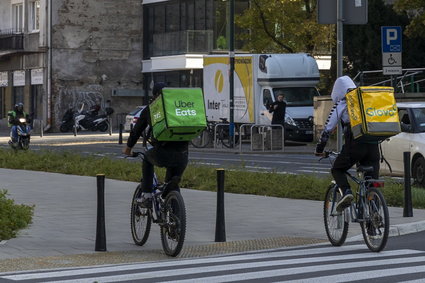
140 219
173 229
376 226
336 223
202 140
224 137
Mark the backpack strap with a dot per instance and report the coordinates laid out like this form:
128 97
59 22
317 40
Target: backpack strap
383 158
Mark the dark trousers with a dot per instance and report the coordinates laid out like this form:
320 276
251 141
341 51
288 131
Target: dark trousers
174 160
366 154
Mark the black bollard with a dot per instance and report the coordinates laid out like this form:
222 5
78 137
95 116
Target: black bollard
220 227
100 245
120 135
407 210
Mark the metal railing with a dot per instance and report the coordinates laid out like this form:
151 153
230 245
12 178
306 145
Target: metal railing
12 41
263 130
413 77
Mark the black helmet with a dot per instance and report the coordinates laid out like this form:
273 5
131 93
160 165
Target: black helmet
156 90
19 107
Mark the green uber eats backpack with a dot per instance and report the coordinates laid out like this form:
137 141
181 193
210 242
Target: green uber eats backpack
178 114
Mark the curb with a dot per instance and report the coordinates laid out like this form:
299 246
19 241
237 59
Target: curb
398 230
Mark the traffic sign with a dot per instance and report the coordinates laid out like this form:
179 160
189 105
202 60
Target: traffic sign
391 50
391 39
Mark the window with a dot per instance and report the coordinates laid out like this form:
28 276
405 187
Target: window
2 103
34 15
18 17
297 96
267 98
18 94
35 100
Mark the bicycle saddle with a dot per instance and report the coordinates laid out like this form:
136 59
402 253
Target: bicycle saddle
365 169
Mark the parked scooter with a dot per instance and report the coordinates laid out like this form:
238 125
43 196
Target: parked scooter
67 121
86 120
24 135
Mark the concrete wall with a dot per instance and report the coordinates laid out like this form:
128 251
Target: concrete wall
97 47
5 15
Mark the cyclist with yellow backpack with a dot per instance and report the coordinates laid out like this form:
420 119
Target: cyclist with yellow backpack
353 151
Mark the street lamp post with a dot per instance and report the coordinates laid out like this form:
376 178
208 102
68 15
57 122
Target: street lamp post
231 71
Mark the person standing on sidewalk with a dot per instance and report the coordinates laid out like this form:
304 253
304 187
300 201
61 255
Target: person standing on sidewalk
278 108
352 152
173 155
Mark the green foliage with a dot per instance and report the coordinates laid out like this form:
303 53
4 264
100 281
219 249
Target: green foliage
414 9
362 43
13 217
284 26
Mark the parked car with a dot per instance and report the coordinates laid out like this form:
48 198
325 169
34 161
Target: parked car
412 138
132 117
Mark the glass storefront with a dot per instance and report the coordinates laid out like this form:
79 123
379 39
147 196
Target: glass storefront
187 26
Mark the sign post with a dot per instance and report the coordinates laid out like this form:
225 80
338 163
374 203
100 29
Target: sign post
391 50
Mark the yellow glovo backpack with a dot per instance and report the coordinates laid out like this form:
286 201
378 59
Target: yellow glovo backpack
373 113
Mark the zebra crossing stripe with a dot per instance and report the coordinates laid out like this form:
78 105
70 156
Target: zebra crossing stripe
352 276
228 266
327 267
212 259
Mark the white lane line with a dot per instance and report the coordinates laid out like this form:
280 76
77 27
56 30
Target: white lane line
314 171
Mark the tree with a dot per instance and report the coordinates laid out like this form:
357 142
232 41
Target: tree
284 26
362 43
415 10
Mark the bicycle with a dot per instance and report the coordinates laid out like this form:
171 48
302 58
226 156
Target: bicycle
368 208
168 211
222 135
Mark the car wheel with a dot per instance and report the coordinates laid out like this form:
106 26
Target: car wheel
419 171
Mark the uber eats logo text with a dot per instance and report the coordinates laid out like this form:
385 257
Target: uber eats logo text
372 111
183 108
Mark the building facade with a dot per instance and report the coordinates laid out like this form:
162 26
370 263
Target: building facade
176 35
60 54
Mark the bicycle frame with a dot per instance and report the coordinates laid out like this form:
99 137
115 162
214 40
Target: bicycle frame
359 204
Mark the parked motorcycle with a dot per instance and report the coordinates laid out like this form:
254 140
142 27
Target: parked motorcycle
24 135
84 120
67 121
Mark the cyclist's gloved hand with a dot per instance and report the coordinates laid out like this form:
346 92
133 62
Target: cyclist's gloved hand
320 147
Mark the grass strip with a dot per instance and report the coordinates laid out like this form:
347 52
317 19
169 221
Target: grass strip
195 177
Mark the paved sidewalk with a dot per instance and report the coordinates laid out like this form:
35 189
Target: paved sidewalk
64 226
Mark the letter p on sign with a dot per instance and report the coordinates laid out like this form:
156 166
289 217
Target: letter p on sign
391 35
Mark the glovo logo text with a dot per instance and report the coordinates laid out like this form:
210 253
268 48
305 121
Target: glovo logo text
372 111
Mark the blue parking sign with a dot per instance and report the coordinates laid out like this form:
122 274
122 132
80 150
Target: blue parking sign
391 39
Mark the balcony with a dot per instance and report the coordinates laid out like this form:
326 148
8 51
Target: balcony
182 42
11 40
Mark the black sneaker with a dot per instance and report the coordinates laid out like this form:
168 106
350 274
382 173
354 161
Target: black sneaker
345 201
144 202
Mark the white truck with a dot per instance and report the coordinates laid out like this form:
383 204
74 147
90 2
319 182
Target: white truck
257 79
